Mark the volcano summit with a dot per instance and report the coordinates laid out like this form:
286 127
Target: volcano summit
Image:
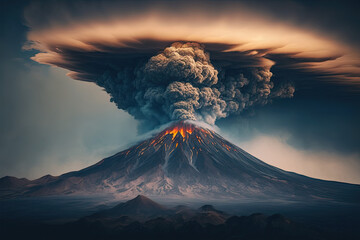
184 161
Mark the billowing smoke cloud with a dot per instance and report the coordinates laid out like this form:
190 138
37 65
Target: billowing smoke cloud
129 50
181 83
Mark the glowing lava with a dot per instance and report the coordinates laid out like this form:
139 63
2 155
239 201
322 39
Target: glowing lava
182 128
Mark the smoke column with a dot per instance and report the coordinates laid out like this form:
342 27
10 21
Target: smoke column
181 83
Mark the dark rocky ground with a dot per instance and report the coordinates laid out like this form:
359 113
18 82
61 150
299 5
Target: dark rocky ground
142 218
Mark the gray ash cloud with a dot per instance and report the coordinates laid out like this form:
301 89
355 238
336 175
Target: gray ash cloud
181 83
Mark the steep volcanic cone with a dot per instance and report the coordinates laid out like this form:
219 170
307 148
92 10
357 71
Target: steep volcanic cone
188 161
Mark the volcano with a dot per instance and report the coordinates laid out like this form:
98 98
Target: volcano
184 161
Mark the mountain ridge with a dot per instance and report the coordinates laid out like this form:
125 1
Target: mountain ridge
204 222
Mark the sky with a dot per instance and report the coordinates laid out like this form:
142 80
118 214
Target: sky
61 61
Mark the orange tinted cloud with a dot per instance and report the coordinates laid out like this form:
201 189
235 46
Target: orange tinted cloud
246 31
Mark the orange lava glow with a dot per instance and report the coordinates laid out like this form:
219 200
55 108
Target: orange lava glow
183 129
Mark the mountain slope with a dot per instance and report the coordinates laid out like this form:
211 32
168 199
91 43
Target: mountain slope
190 162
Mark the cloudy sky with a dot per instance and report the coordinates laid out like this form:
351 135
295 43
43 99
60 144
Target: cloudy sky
281 79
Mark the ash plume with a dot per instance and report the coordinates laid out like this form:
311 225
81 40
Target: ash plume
129 50
181 83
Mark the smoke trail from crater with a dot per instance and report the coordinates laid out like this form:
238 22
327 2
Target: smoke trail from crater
181 83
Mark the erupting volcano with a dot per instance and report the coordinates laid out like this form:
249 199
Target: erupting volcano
190 162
